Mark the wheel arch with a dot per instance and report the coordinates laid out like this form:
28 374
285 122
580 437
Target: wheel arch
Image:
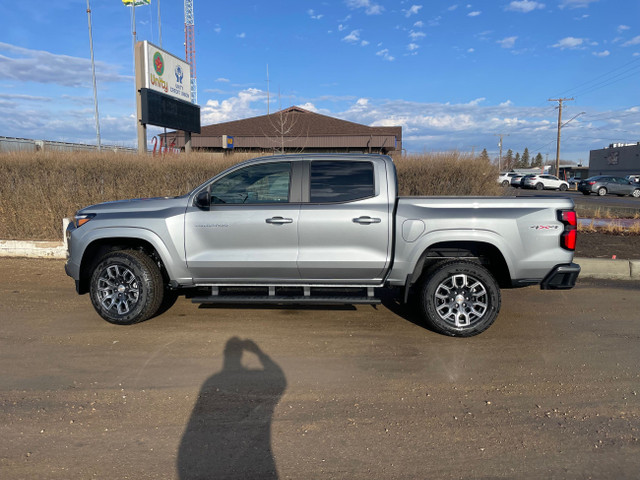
101 246
484 253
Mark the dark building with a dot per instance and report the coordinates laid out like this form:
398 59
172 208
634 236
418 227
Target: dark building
293 130
617 159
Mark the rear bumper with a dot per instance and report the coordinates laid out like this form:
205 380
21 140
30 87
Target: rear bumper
561 277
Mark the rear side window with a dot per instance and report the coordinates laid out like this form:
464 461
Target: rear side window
341 181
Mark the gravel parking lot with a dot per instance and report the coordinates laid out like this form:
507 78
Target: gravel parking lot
549 391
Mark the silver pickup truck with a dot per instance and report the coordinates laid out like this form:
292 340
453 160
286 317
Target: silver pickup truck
320 229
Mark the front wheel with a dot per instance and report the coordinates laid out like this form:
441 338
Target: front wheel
460 298
505 183
636 193
126 287
602 191
539 186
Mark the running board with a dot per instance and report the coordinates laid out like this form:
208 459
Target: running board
286 300
285 296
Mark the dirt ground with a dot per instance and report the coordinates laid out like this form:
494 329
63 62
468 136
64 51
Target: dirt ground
549 391
601 245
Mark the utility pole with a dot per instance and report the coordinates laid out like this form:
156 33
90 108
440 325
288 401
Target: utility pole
559 100
500 145
93 74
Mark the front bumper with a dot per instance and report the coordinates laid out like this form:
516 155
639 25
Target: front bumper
561 277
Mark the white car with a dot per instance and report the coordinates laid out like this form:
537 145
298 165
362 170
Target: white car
545 181
504 178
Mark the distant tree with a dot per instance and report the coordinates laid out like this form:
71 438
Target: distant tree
516 161
508 160
537 162
484 156
526 158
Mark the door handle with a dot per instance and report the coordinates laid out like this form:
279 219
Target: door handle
366 220
279 220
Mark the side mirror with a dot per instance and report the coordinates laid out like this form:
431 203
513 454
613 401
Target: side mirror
203 200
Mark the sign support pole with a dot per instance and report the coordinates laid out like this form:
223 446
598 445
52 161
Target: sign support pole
141 127
187 142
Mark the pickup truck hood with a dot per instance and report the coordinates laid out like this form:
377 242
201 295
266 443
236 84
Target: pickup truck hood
137 205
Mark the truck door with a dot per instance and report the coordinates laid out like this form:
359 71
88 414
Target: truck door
249 234
344 230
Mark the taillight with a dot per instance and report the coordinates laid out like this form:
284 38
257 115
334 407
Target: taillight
591 183
570 233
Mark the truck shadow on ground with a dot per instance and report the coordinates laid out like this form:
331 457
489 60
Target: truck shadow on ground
229 432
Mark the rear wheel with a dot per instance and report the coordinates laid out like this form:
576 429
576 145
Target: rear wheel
602 191
126 287
563 188
505 183
459 298
636 193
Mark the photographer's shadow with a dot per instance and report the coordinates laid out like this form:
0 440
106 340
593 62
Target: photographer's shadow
229 432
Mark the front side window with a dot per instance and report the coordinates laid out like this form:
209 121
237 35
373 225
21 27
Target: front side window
265 183
333 181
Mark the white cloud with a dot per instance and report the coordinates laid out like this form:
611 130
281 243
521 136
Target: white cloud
413 10
622 28
419 24
341 27
40 66
524 6
471 50
508 103
221 79
370 7
364 43
576 3
241 35
477 101
353 37
633 41
570 43
384 53
474 13
452 8
416 35
604 53
233 108
413 46
316 16
508 42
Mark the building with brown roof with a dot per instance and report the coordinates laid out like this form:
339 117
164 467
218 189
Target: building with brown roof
293 130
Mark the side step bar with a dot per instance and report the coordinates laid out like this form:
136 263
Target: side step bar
286 300
287 297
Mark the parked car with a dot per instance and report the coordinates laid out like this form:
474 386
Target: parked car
606 184
516 179
299 229
545 181
633 179
504 178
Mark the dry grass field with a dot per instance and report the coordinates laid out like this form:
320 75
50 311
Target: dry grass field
38 189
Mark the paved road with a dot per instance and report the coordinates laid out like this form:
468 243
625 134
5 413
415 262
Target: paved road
594 201
549 391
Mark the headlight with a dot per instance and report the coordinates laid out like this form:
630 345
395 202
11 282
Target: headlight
79 220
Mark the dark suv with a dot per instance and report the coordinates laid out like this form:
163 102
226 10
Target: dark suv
604 184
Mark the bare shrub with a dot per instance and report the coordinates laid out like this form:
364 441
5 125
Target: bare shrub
38 189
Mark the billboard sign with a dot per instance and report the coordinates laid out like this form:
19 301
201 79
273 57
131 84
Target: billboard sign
165 111
166 73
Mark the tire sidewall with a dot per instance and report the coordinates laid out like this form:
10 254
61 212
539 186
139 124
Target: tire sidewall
147 287
602 191
438 275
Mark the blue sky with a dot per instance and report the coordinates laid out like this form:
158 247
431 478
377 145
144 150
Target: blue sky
453 74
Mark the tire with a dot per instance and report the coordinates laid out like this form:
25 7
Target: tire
539 186
126 287
444 294
636 193
505 183
602 191
563 188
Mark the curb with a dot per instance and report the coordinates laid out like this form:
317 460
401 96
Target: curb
590 267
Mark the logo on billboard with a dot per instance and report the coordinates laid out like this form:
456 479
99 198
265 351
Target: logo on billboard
179 74
158 63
